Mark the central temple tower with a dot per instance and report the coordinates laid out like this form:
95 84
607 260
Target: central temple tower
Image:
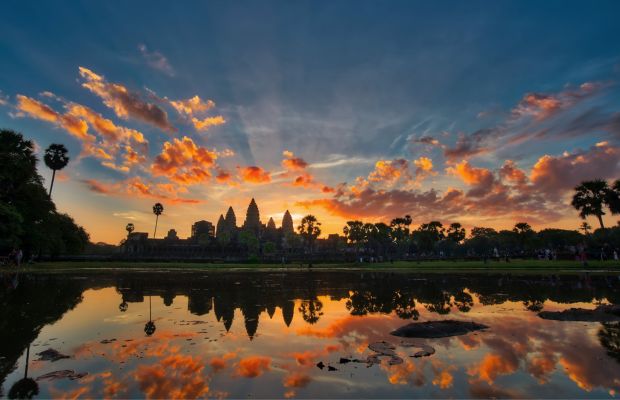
252 219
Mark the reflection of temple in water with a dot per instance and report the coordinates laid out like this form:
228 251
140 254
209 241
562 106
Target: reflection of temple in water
45 298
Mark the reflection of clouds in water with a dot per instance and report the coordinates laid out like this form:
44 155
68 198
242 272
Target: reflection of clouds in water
252 367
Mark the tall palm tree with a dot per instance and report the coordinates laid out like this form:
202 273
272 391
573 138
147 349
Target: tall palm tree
130 228
613 198
56 159
590 197
158 209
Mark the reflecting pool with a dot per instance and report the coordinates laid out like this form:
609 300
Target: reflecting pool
301 334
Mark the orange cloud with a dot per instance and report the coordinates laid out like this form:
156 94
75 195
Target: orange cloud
292 163
296 380
191 106
541 105
184 162
389 171
38 110
136 187
471 175
252 367
124 102
553 176
493 365
208 122
176 376
254 174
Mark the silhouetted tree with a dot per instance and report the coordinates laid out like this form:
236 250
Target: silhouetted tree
158 209
456 232
309 229
590 198
585 227
354 232
25 388
613 197
130 228
56 159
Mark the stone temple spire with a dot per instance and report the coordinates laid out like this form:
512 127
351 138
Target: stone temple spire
252 218
231 219
271 224
287 224
221 226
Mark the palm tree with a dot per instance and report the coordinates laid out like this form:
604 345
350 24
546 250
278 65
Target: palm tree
56 159
130 228
590 197
613 198
158 209
456 232
25 388
309 229
149 327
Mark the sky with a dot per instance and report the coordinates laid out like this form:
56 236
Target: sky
484 113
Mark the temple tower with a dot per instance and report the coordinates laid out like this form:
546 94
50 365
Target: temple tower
221 226
287 224
252 219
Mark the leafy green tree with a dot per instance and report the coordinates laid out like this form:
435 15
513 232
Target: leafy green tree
158 209
55 158
309 229
590 197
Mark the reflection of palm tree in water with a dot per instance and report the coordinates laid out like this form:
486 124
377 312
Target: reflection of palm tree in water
24 388
123 306
312 308
149 327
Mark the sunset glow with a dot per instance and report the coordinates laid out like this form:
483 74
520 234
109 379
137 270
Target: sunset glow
486 114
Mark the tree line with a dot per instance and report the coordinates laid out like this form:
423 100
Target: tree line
28 216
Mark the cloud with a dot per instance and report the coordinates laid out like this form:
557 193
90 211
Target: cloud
184 162
208 122
292 163
254 174
125 102
35 109
390 171
174 377
136 187
553 176
481 179
252 367
156 60
109 140
194 110
296 380
470 145
192 106
542 105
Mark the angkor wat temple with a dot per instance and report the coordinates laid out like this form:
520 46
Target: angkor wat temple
228 242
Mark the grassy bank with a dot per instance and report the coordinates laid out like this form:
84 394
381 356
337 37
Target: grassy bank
537 266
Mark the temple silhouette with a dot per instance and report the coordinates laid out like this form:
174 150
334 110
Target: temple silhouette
226 241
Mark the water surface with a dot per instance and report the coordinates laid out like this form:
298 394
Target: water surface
262 334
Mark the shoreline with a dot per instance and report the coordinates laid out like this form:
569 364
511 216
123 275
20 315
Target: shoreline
517 266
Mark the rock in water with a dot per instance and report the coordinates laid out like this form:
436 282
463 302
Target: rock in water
437 329
51 355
